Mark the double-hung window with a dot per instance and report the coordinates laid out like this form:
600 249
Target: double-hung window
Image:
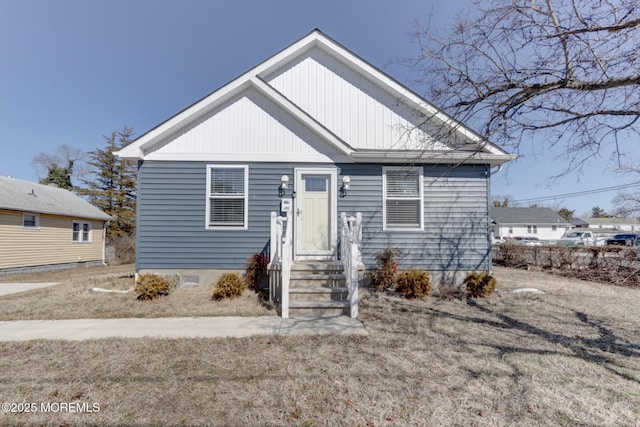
402 198
227 197
30 220
81 231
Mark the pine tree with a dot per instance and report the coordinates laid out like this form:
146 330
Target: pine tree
566 213
112 187
59 176
598 212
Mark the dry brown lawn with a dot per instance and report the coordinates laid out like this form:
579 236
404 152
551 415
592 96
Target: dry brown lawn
74 299
568 357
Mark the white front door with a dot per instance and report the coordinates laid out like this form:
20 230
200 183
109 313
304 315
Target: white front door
315 213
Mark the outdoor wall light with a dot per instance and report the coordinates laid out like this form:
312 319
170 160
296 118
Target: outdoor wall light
346 185
284 184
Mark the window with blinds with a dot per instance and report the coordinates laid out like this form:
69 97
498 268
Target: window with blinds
402 198
30 220
227 194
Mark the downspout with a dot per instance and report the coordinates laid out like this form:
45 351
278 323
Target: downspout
488 173
104 241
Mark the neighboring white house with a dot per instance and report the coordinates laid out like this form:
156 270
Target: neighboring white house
614 224
543 223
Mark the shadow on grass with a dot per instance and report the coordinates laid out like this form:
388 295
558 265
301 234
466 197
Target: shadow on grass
580 347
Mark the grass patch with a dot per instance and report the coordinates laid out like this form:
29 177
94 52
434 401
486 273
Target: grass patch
74 299
568 357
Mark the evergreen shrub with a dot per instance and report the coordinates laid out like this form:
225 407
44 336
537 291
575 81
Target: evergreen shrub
480 284
414 284
229 285
151 286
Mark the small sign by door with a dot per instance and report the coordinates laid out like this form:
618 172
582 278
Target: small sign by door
286 205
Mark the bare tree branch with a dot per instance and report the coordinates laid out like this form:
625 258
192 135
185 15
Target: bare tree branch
567 71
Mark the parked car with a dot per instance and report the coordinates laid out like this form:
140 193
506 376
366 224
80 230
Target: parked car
625 240
528 241
498 240
577 238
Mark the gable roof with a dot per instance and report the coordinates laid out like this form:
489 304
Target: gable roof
526 216
607 221
477 150
25 196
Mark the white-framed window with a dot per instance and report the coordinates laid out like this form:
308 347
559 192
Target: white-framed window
30 220
402 198
510 230
554 227
227 197
81 231
535 229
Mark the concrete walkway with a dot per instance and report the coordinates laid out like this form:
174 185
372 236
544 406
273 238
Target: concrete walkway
12 288
181 327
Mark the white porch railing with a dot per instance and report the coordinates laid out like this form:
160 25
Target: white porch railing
280 260
351 255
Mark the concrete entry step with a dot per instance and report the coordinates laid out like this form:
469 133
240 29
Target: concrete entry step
317 276
319 308
337 293
318 288
317 266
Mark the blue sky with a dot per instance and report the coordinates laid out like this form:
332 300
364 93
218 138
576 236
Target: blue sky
74 70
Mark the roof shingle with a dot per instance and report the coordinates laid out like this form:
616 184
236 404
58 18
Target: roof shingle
526 216
19 195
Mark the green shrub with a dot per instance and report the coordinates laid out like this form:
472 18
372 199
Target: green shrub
480 284
384 276
414 284
256 271
229 285
151 286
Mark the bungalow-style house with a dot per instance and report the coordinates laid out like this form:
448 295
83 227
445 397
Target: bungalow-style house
314 131
612 224
45 227
543 223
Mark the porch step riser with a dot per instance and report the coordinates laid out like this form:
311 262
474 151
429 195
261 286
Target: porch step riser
319 312
315 297
316 284
324 268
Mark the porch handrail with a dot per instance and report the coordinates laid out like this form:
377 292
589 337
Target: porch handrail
281 256
286 266
351 254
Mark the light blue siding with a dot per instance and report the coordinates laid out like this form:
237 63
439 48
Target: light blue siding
171 219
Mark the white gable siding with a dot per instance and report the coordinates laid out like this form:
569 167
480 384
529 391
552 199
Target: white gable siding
352 107
247 127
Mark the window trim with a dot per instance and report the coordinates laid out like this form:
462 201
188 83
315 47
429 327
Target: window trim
208 197
420 197
37 220
81 231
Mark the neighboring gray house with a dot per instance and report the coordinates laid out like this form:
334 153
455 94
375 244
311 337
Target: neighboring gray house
612 224
327 132
543 223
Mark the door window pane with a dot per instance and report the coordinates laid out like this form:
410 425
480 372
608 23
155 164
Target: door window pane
315 184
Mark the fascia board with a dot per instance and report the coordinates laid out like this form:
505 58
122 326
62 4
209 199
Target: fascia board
453 157
136 150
